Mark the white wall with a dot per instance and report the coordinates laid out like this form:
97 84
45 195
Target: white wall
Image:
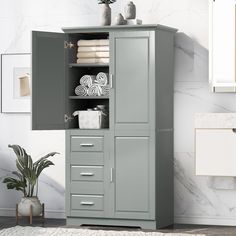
197 199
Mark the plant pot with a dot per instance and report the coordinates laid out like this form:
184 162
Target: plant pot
26 202
105 14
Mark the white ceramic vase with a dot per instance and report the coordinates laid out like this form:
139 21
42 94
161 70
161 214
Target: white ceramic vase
105 14
26 202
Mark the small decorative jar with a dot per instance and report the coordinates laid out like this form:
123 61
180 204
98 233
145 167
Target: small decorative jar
119 20
130 10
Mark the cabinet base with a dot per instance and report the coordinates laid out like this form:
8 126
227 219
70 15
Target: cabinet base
144 224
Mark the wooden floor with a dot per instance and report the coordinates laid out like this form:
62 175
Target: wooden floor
6 222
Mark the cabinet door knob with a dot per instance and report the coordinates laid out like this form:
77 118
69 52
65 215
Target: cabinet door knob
234 130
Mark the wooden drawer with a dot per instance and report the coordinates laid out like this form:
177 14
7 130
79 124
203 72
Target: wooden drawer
87 173
216 152
83 187
87 202
86 144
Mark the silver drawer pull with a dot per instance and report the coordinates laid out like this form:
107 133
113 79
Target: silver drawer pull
86 144
87 203
86 174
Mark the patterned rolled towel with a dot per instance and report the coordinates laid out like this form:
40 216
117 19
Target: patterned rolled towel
81 90
105 90
95 90
102 79
87 80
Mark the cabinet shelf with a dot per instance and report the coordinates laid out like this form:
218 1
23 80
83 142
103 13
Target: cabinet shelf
88 65
88 97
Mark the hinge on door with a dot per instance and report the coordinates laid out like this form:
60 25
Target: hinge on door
67 118
68 44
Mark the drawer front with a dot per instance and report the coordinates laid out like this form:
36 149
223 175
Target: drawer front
86 173
85 202
87 158
83 187
86 144
215 152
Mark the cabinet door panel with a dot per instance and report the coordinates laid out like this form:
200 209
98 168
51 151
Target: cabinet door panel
131 68
48 81
132 177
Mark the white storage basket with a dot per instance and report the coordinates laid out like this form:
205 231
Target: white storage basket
92 119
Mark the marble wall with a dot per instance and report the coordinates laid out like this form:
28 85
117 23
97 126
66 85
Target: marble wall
197 199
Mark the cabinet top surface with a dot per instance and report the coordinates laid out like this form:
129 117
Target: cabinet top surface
116 28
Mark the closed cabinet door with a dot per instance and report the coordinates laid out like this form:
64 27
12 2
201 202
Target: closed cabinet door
133 177
132 61
222 44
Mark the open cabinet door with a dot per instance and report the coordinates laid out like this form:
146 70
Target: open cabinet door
48 81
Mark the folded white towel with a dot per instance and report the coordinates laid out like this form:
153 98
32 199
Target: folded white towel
93 42
87 80
93 49
102 79
95 90
93 60
81 90
92 54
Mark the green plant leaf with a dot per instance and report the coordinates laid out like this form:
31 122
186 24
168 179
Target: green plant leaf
28 171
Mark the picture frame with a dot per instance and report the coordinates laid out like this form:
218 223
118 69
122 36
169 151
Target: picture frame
16 83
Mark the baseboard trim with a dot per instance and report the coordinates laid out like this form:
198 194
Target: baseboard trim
204 220
57 214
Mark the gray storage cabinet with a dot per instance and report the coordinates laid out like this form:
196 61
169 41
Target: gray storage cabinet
122 175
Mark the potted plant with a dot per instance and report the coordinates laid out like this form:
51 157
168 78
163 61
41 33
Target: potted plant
26 179
106 11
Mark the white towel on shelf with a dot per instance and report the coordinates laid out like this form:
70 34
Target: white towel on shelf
92 54
81 90
105 90
87 80
93 42
102 79
95 90
102 60
93 49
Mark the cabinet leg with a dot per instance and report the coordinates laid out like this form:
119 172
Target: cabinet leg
31 214
17 216
43 212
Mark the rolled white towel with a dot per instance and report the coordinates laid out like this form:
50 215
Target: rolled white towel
105 90
95 90
87 80
102 79
81 90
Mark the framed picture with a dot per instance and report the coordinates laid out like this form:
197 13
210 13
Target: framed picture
16 83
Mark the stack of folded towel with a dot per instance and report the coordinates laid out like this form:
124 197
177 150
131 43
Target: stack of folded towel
93 51
91 85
